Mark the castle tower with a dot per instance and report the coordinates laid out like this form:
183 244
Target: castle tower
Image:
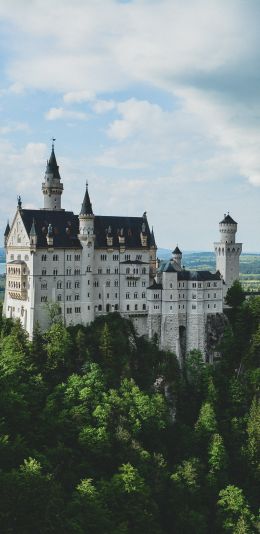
177 256
227 252
87 240
52 187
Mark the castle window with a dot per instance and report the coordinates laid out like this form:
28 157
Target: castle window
96 284
127 296
179 306
44 299
143 283
88 282
108 270
116 307
55 257
116 283
77 257
215 284
215 305
44 257
77 297
115 257
215 295
139 257
103 257
44 285
99 295
208 305
199 284
68 297
194 307
68 271
68 285
144 306
88 295
143 295
77 272
116 270
135 295
108 283
43 272
77 284
99 271
100 307
107 295
59 285
88 269
171 297
127 257
55 272
194 296
127 307
69 311
136 307
59 298
171 285
116 295
208 284
127 270
194 284
171 307
77 309
69 259
208 295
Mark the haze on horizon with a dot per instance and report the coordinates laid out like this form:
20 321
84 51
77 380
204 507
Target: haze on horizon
155 102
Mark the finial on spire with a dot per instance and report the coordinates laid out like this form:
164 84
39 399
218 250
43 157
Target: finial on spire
19 202
53 140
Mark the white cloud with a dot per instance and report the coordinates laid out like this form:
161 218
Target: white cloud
103 106
13 127
61 113
78 97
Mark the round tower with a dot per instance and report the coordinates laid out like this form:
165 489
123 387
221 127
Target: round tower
52 187
177 256
227 252
87 240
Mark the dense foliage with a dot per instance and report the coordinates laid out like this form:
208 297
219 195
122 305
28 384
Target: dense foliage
101 432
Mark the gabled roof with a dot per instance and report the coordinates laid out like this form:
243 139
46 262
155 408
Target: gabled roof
65 227
167 267
227 220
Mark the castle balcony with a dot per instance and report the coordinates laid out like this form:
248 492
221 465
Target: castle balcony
133 276
16 279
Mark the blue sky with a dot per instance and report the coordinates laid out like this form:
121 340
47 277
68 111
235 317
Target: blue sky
155 102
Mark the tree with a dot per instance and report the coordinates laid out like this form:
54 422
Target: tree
234 512
235 295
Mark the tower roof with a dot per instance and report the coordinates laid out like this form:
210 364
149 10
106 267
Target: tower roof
33 229
152 242
52 167
177 250
7 230
227 220
86 208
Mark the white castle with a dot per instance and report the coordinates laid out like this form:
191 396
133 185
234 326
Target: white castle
91 265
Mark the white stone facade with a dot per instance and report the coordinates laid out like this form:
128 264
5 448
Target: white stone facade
92 265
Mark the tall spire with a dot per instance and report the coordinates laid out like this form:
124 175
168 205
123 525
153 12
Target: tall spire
52 187
7 229
86 208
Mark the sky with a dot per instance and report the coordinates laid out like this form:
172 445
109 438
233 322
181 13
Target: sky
156 103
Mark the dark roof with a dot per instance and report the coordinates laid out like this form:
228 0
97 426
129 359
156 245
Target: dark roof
52 167
177 250
136 262
129 227
167 267
152 243
198 275
228 220
7 230
65 227
155 285
86 208
17 262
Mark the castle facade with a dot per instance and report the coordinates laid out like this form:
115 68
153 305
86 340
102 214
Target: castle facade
91 265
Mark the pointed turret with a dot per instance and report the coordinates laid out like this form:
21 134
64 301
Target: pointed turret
153 243
52 187
86 208
33 235
7 232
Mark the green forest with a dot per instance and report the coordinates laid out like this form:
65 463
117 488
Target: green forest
102 432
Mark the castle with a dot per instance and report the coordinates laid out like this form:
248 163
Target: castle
91 265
